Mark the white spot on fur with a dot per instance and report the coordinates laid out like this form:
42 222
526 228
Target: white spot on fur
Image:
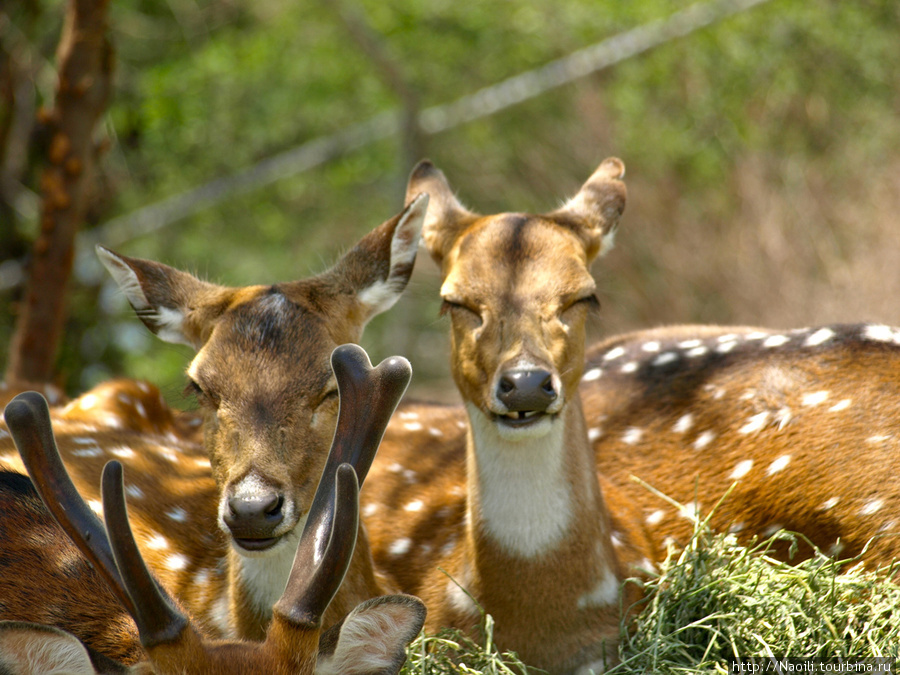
819 337
434 431
408 415
656 517
201 578
157 542
616 539
881 333
815 398
652 346
594 433
122 452
178 514
741 469
690 344
778 465
176 562
843 404
413 426
755 423
828 504
394 467
96 506
689 511
87 402
775 341
400 547
632 435
459 599
614 353
134 491
725 347
606 592
772 529
871 506
877 439
592 374
96 451
630 367
665 358
756 335
684 424
369 510
704 439
696 351
414 506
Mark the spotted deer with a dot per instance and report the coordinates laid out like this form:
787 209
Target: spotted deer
525 500
117 585
268 400
509 511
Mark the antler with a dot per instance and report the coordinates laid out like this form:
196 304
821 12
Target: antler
121 565
368 397
28 419
155 614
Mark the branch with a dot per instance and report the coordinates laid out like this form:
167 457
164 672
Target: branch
85 59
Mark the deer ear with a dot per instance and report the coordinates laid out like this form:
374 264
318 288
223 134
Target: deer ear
378 268
446 218
594 212
36 648
175 305
372 639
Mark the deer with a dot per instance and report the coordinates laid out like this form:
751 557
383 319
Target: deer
218 506
86 580
569 468
509 515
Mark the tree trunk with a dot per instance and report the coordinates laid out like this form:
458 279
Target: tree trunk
85 61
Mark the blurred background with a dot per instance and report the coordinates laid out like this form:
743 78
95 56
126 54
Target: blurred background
252 141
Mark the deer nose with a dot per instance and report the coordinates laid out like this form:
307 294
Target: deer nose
254 517
522 390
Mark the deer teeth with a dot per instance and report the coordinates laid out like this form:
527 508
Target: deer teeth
522 414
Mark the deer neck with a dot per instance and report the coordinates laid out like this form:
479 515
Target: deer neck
255 583
535 500
537 527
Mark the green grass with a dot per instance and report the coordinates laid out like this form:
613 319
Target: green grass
716 600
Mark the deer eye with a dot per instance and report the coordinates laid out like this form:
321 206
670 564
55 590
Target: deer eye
203 398
591 302
459 309
330 396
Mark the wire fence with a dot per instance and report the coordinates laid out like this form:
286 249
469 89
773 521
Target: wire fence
433 120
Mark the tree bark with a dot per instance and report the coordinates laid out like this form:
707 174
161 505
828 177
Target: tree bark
85 59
